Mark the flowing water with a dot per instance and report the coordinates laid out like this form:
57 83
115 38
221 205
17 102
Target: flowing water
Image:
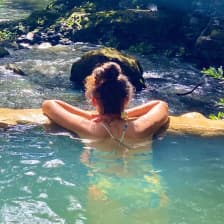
47 72
18 9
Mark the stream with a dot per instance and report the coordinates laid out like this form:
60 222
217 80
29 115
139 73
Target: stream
47 71
17 9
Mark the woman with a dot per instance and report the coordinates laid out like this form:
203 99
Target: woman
122 183
109 91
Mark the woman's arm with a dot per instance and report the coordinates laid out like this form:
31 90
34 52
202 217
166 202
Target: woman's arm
138 111
75 110
152 120
69 117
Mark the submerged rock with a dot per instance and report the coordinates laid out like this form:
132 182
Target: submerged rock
3 52
130 66
15 69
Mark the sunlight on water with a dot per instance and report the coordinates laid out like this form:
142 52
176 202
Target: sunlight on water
50 178
47 72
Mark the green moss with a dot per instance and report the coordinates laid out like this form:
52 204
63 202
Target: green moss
78 20
217 34
41 18
142 48
111 53
130 66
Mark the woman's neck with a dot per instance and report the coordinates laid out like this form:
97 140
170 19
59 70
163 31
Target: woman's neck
108 118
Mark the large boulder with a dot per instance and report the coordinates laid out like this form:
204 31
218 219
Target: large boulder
130 66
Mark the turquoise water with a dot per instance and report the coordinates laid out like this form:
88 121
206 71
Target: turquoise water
47 177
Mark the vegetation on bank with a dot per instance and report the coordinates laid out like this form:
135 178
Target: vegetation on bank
219 75
175 28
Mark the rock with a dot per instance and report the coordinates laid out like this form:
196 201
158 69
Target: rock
3 52
209 50
15 69
10 117
209 45
190 123
124 28
130 66
195 124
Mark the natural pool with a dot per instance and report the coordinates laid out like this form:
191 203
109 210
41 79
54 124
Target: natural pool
45 177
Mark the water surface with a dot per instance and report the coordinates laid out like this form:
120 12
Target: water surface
47 178
18 9
47 72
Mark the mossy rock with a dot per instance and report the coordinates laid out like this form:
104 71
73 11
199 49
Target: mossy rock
124 28
3 52
217 34
130 66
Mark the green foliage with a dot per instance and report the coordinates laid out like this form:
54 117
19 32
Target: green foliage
6 35
213 72
217 74
219 116
77 20
142 48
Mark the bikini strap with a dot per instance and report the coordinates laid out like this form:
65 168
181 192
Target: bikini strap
123 131
119 141
108 130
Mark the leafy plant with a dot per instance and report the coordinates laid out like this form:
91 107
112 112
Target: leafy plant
217 74
6 35
219 116
213 72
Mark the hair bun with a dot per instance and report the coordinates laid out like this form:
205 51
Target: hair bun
107 72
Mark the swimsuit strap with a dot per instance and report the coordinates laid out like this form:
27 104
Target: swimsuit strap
108 130
124 131
110 133
119 141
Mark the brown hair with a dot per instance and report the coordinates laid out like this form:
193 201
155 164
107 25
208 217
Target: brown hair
110 87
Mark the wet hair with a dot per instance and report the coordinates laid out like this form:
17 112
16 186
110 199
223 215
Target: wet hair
110 87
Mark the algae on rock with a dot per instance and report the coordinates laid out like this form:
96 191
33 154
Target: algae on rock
130 66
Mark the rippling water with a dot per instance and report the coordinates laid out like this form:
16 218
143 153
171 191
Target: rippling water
48 69
48 178
18 9
47 72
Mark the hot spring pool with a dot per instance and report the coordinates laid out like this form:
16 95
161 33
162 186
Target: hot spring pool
48 178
